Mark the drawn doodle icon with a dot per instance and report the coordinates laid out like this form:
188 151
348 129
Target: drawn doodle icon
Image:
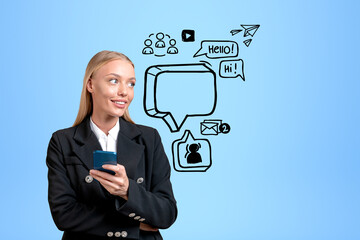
235 31
232 69
188 35
191 154
224 128
159 45
250 30
214 127
210 127
175 92
247 42
172 49
218 49
148 49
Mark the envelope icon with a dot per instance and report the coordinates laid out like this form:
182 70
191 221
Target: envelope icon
210 127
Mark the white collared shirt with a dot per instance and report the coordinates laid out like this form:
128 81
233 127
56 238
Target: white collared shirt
107 142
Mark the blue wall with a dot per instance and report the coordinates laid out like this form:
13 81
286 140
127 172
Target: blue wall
288 169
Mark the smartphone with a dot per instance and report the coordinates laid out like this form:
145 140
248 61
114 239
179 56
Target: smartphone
104 157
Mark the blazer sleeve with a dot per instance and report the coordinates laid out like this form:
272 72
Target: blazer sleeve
156 207
68 213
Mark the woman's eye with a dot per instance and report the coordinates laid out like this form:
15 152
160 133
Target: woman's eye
114 81
131 84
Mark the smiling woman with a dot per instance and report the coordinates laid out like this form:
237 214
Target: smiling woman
112 90
97 62
134 202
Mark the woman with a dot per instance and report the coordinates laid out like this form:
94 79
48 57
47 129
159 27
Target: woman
136 201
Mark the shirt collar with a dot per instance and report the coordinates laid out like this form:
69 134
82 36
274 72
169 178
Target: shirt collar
100 134
115 131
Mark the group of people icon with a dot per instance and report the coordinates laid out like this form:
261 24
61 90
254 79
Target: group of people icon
160 44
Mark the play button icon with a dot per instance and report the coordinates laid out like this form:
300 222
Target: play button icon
188 35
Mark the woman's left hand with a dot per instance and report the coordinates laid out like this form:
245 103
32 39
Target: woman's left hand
117 184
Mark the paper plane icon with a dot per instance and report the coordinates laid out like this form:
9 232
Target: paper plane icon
247 42
235 31
250 30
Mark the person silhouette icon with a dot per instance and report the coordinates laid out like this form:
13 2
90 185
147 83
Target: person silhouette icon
194 156
160 43
172 49
147 49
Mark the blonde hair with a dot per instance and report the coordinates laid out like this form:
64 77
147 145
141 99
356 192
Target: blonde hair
96 62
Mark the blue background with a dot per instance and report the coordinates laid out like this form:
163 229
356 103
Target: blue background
289 168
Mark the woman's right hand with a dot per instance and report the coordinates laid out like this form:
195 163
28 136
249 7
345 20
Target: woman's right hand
147 227
117 184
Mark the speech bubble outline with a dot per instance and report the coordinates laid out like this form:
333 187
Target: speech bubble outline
232 69
217 50
176 153
150 90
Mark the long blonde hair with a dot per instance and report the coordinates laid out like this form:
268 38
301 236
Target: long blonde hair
96 62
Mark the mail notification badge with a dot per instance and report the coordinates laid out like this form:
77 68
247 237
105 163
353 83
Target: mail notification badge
214 127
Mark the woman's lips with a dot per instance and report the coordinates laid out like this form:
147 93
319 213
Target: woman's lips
119 103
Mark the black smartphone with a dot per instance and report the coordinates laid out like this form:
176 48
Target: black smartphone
104 157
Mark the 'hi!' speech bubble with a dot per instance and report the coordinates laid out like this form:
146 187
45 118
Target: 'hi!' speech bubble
218 49
232 69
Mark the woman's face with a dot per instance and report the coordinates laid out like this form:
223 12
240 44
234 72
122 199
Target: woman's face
112 88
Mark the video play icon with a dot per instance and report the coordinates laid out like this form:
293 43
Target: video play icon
188 35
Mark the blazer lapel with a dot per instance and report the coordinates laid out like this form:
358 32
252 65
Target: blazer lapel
88 143
129 152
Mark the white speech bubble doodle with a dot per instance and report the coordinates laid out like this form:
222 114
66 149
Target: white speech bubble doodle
191 154
232 69
175 92
218 49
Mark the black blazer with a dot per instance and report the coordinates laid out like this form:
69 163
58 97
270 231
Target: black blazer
83 209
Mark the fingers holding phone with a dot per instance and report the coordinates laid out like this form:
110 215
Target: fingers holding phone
111 175
117 184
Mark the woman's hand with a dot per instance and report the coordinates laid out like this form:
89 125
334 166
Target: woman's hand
117 184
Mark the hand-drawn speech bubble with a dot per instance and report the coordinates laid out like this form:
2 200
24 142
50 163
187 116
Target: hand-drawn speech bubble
232 69
175 92
191 154
218 49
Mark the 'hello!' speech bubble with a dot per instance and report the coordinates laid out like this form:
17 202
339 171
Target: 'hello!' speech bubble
218 49
175 92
